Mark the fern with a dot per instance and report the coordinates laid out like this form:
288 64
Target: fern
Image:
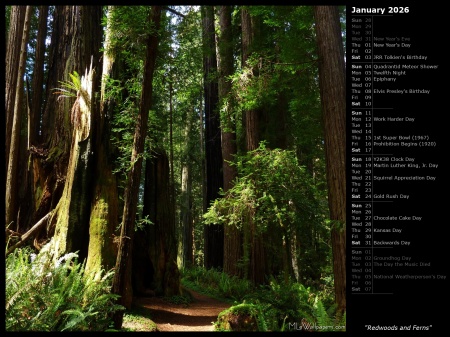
321 315
47 293
69 88
342 322
261 320
75 318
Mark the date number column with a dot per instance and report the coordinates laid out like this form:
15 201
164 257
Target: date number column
361 178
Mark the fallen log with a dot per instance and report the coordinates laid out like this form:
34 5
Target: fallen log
23 238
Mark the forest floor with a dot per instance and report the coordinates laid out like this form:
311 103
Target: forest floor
198 315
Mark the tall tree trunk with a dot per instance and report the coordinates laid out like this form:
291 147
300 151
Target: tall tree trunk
186 197
214 175
162 243
35 97
332 92
72 212
202 156
257 260
144 270
282 108
232 237
186 216
104 207
204 205
122 277
25 204
74 208
38 76
71 50
17 19
273 129
172 170
12 186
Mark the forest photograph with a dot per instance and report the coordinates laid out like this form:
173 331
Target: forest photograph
175 168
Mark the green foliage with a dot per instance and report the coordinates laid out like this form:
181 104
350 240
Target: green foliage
241 317
215 283
138 319
129 28
281 74
272 182
179 299
45 292
277 306
124 119
327 320
285 303
280 197
280 306
326 288
69 88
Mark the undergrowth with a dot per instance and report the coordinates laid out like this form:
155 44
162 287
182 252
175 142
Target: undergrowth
45 292
215 283
281 305
179 299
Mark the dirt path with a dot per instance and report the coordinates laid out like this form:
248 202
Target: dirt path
197 316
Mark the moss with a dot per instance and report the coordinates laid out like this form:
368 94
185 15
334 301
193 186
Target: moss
61 227
54 153
37 196
241 317
138 319
100 252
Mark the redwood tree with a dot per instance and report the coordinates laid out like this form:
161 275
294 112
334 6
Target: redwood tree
17 18
214 175
232 236
104 213
73 210
122 277
158 242
186 216
257 259
38 76
14 133
73 45
332 92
